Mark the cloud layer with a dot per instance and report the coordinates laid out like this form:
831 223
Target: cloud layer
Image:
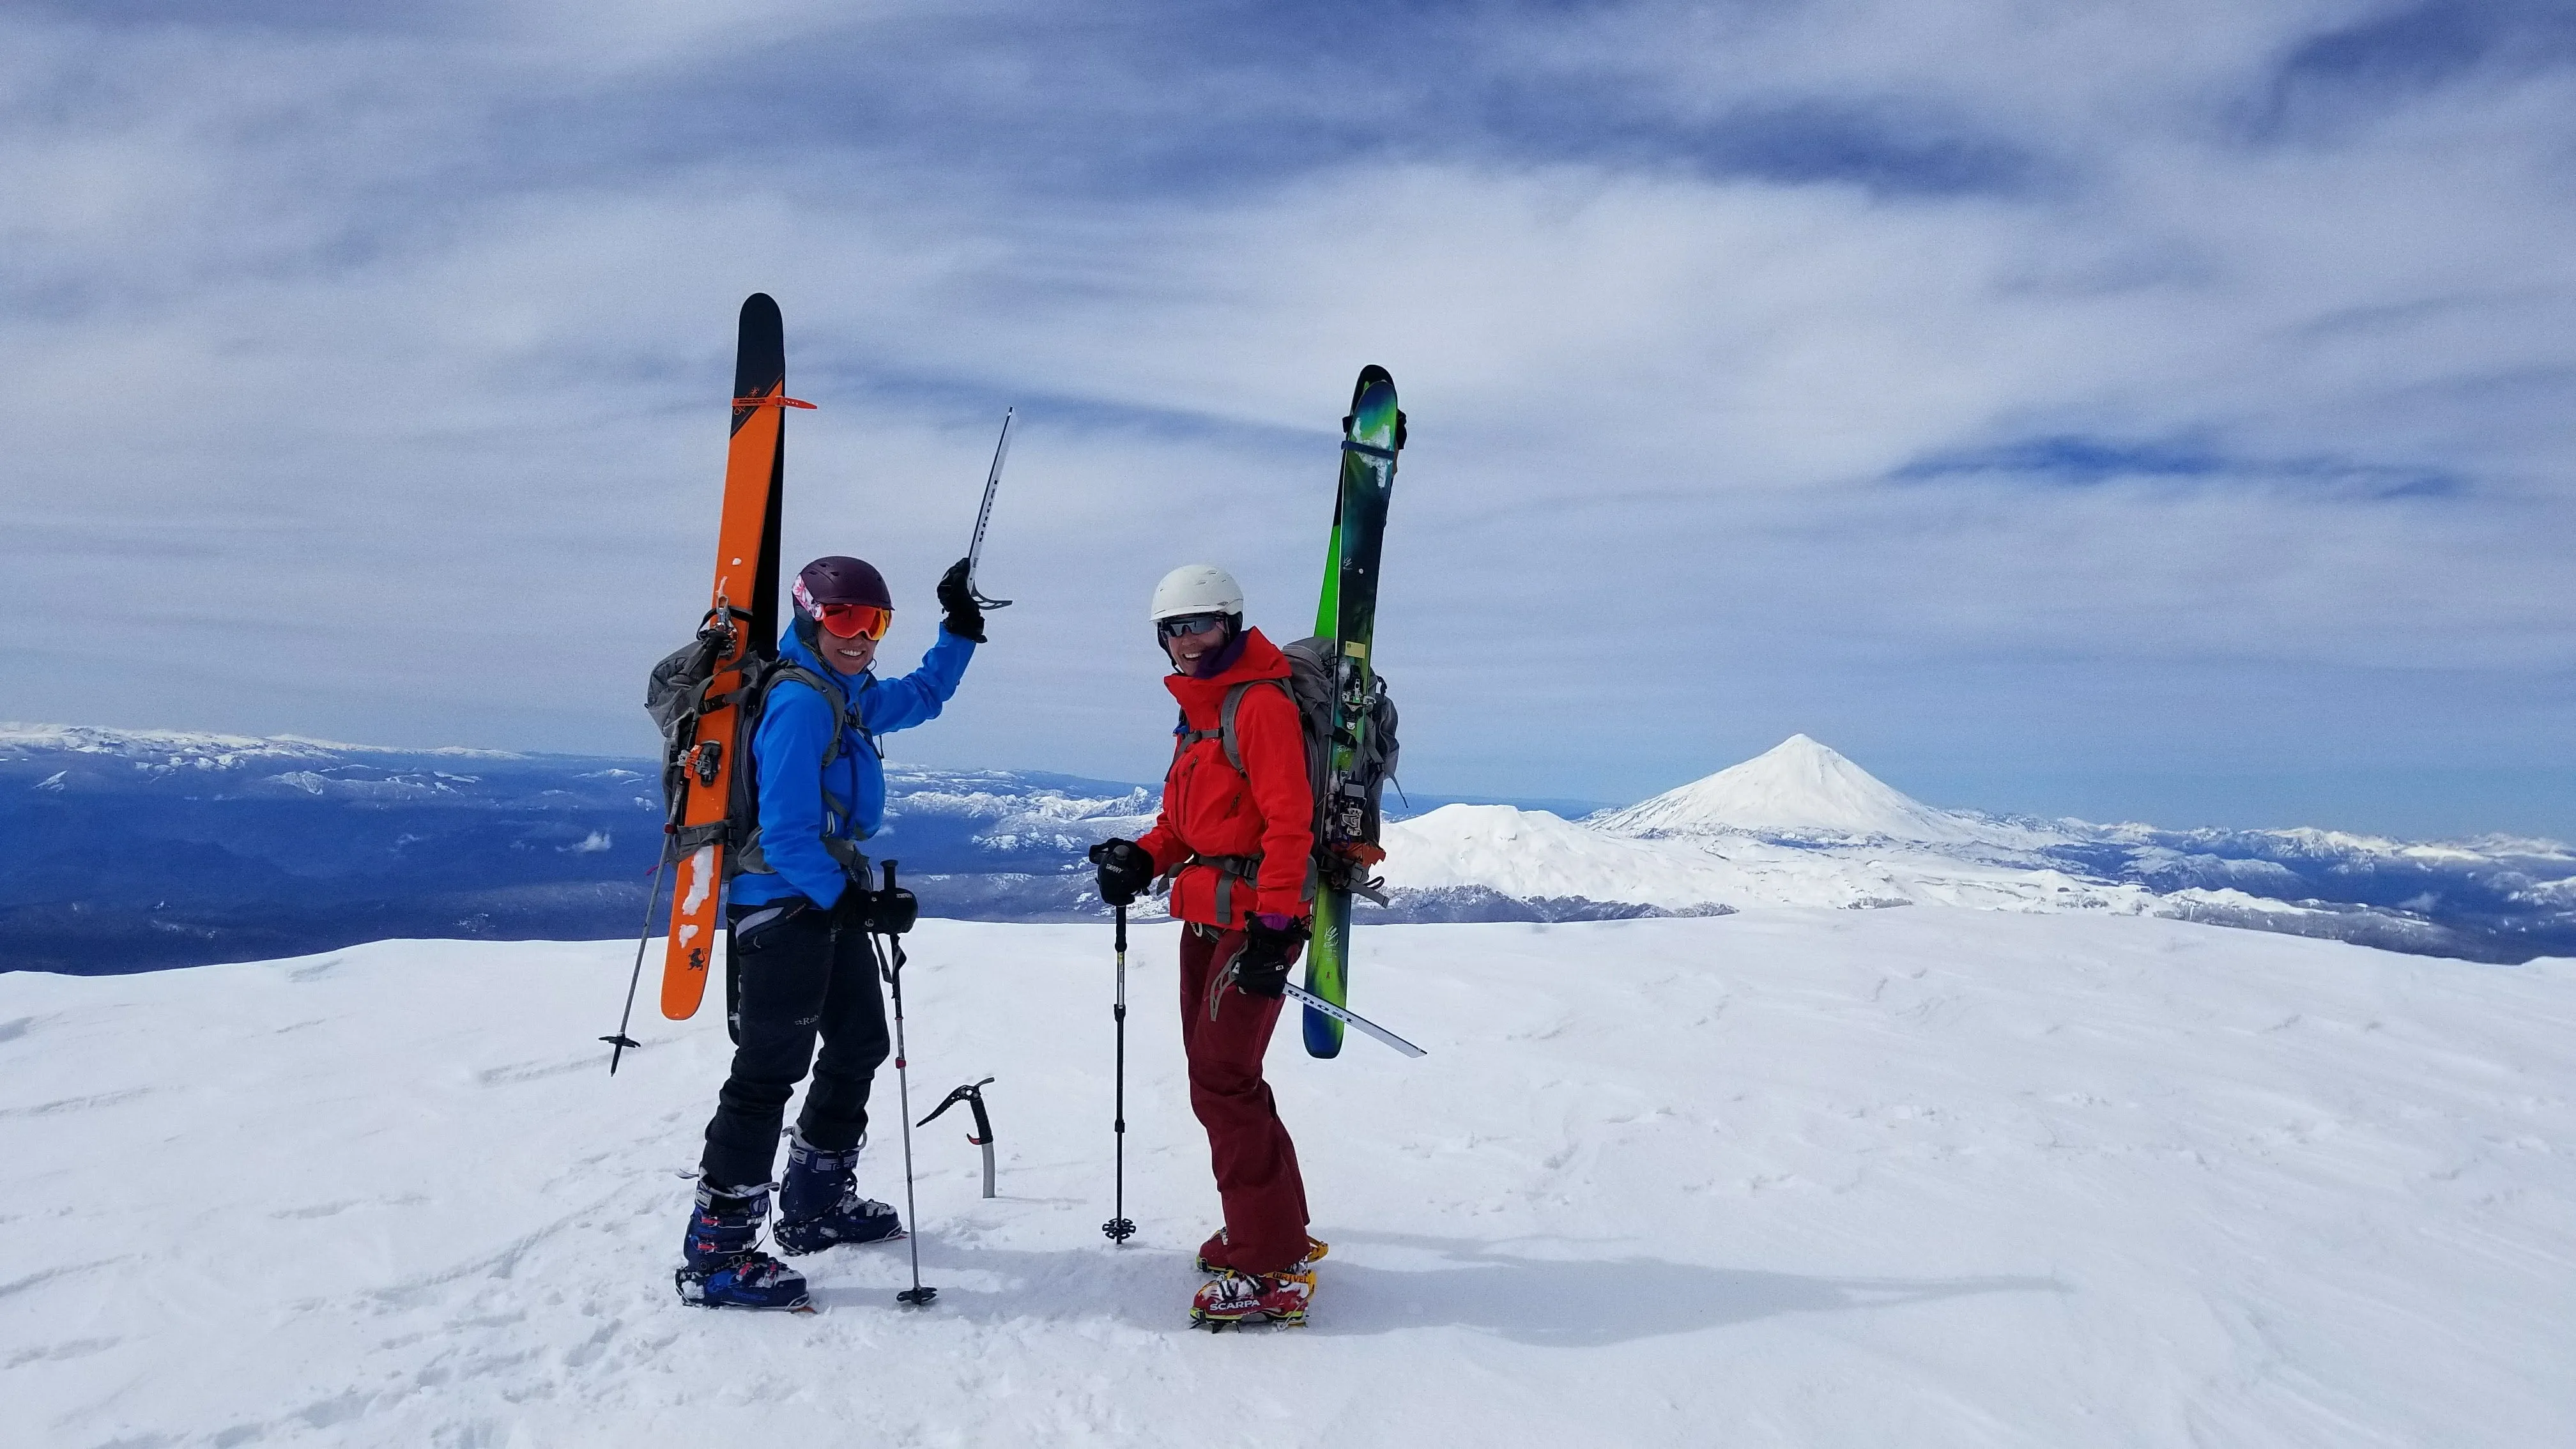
2016 396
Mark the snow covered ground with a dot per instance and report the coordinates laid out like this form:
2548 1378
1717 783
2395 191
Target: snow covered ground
1794 1176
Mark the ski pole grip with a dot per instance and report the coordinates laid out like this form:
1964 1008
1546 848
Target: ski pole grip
889 876
1122 930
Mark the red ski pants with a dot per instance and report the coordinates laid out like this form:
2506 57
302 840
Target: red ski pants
1256 1164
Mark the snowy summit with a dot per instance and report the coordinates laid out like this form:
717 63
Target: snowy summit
1798 786
1921 1178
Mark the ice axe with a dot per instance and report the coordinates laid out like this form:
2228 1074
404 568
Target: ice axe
973 1097
984 515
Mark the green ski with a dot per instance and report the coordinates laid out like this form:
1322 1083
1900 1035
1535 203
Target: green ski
1347 614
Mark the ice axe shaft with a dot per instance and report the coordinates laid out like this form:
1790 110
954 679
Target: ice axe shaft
1345 1014
984 515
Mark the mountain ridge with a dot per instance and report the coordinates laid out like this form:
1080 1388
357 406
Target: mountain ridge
165 848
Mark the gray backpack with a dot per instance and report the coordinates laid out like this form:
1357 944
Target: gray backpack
1350 817
677 698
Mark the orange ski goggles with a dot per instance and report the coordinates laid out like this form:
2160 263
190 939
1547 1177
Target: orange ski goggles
851 621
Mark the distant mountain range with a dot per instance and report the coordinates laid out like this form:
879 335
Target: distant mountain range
1802 825
135 850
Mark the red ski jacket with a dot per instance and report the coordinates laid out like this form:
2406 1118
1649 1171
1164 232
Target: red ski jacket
1210 809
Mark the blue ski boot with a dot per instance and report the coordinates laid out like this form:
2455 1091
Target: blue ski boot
725 1267
819 1205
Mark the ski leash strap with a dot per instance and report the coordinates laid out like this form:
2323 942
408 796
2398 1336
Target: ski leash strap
984 515
1345 1014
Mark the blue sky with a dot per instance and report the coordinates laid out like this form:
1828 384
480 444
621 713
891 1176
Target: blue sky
2157 410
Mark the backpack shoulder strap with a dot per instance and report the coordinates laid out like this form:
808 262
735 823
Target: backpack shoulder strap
1234 703
832 697
1225 725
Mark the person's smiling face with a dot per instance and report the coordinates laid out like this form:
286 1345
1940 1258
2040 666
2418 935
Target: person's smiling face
1204 635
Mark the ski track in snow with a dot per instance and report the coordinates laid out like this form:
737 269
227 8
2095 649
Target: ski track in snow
1808 1177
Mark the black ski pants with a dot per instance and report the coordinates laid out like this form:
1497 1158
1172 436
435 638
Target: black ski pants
799 977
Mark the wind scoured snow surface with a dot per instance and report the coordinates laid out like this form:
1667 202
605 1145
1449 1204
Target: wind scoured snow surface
1789 1177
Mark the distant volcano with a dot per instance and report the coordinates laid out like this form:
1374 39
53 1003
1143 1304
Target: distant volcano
1797 787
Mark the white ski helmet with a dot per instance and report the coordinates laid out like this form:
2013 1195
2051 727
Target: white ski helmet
1197 589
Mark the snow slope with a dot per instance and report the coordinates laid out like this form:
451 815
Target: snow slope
1789 1177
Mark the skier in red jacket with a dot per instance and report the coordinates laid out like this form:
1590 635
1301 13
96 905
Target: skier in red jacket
1236 844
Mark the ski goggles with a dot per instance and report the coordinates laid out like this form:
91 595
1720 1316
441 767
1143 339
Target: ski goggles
851 621
1190 624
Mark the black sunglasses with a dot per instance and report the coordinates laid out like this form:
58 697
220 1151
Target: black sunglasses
1190 624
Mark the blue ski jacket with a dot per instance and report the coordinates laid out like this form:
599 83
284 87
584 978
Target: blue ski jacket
787 751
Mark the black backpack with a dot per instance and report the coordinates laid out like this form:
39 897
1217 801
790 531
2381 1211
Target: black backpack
677 697
1350 817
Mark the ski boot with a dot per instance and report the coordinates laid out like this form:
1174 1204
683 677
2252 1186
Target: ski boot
1232 1297
1215 1255
819 1205
724 1266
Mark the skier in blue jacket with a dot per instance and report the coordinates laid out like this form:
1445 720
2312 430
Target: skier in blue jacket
800 913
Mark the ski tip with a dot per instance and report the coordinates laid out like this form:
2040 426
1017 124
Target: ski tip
1375 390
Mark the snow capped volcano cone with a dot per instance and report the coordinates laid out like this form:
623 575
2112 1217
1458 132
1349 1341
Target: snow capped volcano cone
1798 786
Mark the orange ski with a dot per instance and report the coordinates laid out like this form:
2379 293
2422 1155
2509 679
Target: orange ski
744 612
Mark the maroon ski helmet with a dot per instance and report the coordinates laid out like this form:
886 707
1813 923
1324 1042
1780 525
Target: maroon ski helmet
839 579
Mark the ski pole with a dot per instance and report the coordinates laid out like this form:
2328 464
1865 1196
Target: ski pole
622 1041
984 515
916 1295
1118 1228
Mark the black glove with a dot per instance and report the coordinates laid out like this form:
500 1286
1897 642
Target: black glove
1261 967
893 911
888 913
1125 870
964 619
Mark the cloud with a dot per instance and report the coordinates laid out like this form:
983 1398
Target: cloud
2406 50
1954 374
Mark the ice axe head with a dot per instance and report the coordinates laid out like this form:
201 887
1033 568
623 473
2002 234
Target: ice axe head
973 1096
